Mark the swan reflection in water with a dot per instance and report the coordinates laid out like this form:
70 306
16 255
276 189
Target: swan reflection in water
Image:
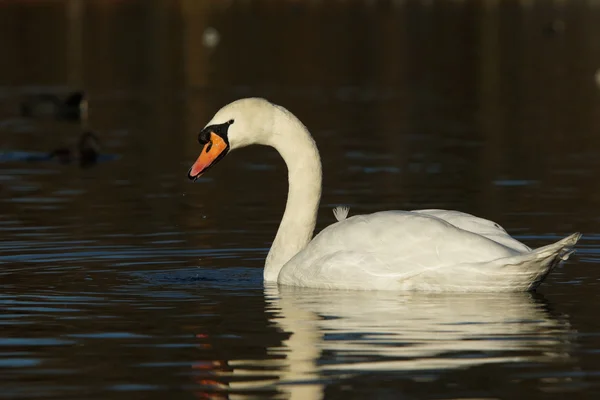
339 334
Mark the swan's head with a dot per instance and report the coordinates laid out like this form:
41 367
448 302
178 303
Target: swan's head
238 124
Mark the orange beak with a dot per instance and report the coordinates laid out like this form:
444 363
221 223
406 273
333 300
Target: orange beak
213 151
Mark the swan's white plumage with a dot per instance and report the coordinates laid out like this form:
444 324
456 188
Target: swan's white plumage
419 250
427 250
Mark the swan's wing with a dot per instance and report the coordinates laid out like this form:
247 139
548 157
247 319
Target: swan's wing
414 236
392 243
480 226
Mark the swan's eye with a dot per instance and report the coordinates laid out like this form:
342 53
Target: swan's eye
230 122
203 137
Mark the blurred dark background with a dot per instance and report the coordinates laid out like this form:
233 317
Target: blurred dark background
474 95
489 107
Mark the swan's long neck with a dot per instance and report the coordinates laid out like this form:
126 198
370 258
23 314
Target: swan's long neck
299 151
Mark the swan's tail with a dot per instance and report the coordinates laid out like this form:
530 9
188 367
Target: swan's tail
532 268
520 273
560 250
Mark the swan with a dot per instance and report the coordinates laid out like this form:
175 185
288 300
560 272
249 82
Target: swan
421 250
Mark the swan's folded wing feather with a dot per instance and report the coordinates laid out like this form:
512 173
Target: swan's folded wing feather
413 237
480 226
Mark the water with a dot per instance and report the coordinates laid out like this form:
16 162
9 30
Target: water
125 280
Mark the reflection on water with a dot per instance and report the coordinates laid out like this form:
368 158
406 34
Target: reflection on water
124 280
341 333
347 336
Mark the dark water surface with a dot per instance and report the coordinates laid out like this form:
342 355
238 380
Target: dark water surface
125 280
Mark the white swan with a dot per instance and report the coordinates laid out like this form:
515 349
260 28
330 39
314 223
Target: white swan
427 250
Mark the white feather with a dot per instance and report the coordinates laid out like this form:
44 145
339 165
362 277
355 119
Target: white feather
341 212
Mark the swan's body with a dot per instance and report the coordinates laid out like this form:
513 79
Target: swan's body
429 250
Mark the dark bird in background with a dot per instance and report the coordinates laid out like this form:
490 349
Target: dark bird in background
75 108
45 105
85 153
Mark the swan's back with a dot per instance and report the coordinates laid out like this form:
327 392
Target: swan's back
432 241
